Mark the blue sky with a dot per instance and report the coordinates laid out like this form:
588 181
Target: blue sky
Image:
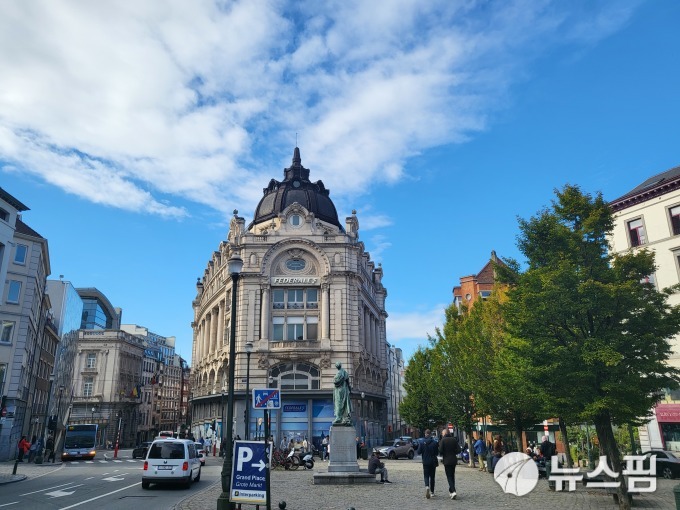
133 131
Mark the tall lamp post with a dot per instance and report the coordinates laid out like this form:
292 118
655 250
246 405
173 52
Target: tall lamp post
249 350
234 264
224 394
361 425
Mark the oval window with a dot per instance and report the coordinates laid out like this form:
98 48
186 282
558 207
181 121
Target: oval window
295 264
295 220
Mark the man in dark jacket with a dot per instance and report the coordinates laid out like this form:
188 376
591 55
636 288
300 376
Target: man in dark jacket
548 449
428 450
375 467
449 448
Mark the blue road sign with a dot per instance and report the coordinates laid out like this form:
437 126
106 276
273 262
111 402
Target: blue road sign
249 472
266 398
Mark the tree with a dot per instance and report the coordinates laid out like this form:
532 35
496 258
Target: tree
598 335
423 404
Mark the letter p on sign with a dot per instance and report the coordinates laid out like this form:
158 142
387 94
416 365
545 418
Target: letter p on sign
244 455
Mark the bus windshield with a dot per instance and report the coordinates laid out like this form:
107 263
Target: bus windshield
80 436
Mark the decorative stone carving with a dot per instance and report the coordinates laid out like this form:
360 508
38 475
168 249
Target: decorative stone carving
263 361
325 360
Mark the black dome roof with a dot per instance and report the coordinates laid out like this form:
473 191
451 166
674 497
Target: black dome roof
296 187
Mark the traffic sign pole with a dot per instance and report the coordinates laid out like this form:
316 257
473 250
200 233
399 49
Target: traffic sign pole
266 449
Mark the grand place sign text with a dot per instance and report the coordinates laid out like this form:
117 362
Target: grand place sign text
295 280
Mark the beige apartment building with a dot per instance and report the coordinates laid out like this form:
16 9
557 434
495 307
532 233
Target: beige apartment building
648 217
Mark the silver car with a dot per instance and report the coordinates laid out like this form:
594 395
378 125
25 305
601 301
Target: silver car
400 448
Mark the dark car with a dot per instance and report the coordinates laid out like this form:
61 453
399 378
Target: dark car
140 451
667 463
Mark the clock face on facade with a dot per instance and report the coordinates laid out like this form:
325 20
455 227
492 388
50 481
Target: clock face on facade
295 264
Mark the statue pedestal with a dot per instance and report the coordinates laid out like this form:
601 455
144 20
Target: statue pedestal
343 468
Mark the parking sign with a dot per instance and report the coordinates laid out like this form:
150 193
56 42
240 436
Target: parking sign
249 473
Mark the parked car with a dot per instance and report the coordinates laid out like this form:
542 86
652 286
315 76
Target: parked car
171 461
399 448
667 463
140 451
200 452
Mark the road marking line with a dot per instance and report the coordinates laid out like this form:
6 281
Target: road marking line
98 497
47 489
12 503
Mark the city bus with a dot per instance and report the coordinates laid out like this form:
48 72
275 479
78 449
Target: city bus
80 442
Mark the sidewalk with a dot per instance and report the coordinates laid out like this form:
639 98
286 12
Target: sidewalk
25 470
476 490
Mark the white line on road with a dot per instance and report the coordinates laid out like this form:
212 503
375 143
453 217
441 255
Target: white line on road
102 496
7 504
47 489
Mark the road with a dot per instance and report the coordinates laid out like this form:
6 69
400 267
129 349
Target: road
101 483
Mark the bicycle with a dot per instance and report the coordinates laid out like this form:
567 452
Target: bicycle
278 459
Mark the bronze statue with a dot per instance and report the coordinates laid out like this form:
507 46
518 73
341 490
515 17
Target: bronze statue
341 397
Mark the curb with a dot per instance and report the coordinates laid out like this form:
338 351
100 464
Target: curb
180 504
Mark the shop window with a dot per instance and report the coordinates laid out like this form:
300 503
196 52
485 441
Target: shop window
636 232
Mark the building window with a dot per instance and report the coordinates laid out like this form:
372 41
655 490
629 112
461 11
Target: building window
88 386
4 215
20 254
6 330
636 231
485 294
295 376
14 291
674 213
649 279
293 328
296 299
91 360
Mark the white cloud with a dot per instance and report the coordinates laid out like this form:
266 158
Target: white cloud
156 100
415 325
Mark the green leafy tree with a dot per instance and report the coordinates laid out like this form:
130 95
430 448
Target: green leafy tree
598 337
424 404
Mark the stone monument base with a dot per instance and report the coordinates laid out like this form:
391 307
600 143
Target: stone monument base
343 468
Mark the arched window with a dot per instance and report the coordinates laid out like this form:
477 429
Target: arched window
295 376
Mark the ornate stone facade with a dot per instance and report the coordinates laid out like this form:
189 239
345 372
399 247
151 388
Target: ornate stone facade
309 295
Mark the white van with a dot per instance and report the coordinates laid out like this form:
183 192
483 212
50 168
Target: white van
171 461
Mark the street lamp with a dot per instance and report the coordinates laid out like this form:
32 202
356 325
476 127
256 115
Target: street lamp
249 350
361 426
93 410
224 394
235 264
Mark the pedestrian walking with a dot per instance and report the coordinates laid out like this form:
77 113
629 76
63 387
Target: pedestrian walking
324 448
428 450
23 447
449 448
49 449
32 449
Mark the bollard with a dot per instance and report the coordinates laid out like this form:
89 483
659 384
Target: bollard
282 505
16 463
676 493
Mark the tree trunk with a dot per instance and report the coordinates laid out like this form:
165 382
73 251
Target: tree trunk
565 439
608 446
471 450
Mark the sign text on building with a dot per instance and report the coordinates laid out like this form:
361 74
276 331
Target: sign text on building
295 280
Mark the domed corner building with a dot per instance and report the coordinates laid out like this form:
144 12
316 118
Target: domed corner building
308 296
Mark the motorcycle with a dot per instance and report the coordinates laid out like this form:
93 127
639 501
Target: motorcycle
308 460
292 460
465 455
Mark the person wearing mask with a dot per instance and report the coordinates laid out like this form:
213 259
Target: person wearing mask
449 448
375 467
428 450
